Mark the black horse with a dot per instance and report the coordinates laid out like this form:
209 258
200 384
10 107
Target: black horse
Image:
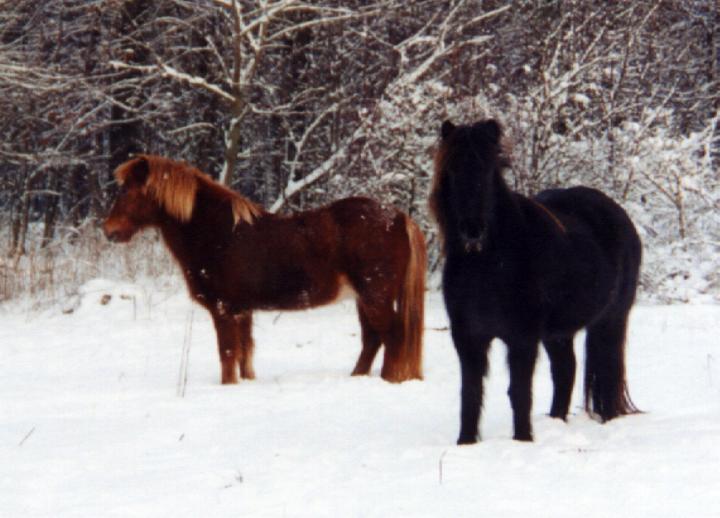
527 270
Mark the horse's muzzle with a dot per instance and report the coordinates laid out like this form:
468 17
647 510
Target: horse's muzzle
474 245
113 237
115 233
473 237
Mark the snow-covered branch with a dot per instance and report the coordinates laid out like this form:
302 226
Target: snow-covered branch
293 187
170 72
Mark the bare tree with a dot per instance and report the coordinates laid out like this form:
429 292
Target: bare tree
237 51
297 102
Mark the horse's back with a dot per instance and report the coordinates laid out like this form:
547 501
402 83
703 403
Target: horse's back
373 241
359 210
590 214
594 210
360 217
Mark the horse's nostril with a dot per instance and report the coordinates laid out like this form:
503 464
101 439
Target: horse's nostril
113 235
470 230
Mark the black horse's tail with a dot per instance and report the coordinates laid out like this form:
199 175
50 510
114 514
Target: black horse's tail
606 390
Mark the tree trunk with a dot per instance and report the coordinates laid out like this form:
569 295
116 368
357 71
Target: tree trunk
51 209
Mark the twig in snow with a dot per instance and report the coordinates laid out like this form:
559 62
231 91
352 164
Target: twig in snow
710 361
27 436
440 467
185 358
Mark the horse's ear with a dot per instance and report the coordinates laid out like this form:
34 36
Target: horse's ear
136 169
488 130
141 169
446 129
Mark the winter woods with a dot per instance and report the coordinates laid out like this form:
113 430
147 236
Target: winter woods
295 103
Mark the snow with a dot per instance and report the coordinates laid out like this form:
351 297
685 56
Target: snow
91 423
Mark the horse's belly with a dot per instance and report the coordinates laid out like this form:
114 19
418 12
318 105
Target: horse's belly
577 309
309 295
563 323
344 290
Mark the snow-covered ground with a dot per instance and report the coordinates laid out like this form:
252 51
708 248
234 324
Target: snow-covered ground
92 423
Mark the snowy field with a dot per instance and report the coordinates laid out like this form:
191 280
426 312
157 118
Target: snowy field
92 423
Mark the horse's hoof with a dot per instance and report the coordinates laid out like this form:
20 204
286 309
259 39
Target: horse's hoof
463 440
524 437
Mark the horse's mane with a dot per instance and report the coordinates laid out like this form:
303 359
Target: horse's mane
174 186
434 200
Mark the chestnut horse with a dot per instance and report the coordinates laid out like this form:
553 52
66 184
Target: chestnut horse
527 270
237 258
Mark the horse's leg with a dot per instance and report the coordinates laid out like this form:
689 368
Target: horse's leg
472 352
228 348
562 366
521 361
395 366
371 342
605 384
243 322
382 318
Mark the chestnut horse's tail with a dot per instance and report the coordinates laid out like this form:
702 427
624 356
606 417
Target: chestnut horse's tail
411 302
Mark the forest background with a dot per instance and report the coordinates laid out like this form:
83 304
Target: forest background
297 103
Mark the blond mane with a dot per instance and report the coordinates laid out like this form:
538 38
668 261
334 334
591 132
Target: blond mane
174 186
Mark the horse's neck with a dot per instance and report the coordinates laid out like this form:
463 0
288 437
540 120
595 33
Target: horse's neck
176 239
501 209
210 228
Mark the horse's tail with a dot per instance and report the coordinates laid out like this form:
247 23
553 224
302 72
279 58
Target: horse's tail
606 390
411 302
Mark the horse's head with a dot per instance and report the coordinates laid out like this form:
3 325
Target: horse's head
134 208
467 163
157 190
